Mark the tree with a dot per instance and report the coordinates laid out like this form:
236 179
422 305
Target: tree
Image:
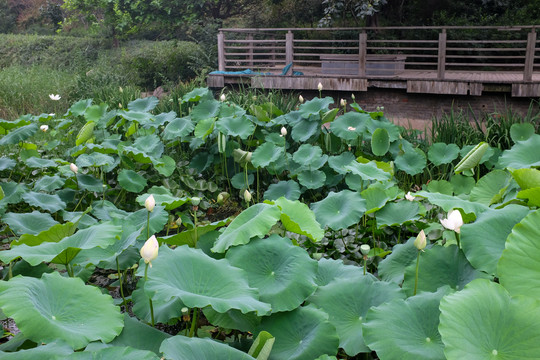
356 11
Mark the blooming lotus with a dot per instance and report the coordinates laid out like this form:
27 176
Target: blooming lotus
343 102
150 249
409 197
55 97
150 203
44 128
453 221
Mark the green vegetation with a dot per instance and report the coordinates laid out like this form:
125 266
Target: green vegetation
254 232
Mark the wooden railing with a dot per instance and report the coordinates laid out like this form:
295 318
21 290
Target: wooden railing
381 51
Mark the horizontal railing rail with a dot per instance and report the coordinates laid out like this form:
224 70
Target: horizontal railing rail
381 51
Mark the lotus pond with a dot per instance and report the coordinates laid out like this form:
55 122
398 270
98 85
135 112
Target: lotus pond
230 233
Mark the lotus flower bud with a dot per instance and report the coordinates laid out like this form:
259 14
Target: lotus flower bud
44 128
150 249
222 97
319 87
247 196
222 197
283 131
352 97
453 222
73 168
343 102
364 249
150 203
301 99
409 197
420 242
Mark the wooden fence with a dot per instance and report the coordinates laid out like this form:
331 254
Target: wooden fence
382 51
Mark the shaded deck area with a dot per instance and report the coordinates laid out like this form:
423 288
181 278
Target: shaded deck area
431 60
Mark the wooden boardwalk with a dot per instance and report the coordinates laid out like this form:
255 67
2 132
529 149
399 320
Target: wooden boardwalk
448 61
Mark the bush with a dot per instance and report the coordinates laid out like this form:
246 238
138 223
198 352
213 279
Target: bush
157 63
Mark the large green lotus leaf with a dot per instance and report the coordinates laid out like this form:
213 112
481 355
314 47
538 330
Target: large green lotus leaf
49 183
448 202
47 202
150 145
330 271
164 311
462 184
315 106
145 105
411 162
406 329
376 197
8 124
178 128
350 126
523 154
182 348
339 162
266 154
165 165
29 223
298 218
301 334
63 251
527 178
472 158
288 189
130 181
56 307
483 241
368 171
236 126
305 129
392 267
113 352
484 322
56 350
312 179
532 195
206 109
54 234
89 183
440 266
380 142
95 159
158 219
12 192
158 120
398 213
38 163
6 163
231 110
283 273
136 117
168 201
521 132
198 94
199 280
139 335
347 302
490 188
393 130
232 319
339 210
255 221
440 186
20 134
519 266
310 157
204 128
191 237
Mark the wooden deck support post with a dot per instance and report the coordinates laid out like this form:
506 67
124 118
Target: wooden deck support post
289 49
529 56
441 62
250 51
221 51
362 53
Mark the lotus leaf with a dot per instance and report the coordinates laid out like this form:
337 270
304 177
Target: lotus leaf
350 126
523 154
178 128
412 162
339 210
288 189
398 213
180 348
441 153
521 131
236 126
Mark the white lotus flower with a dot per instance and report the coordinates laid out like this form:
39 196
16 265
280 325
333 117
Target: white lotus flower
350 128
222 97
150 203
453 222
319 87
301 99
420 242
44 128
55 97
150 249
247 196
73 168
409 197
283 131
343 102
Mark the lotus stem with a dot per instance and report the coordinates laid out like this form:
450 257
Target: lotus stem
149 300
121 281
148 225
193 329
416 275
457 240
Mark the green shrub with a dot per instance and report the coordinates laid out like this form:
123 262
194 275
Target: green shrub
157 63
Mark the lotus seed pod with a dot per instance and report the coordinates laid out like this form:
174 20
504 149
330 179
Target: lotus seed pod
364 249
195 201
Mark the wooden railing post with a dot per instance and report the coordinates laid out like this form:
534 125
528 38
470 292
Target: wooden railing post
221 51
362 52
289 49
250 51
529 56
441 62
